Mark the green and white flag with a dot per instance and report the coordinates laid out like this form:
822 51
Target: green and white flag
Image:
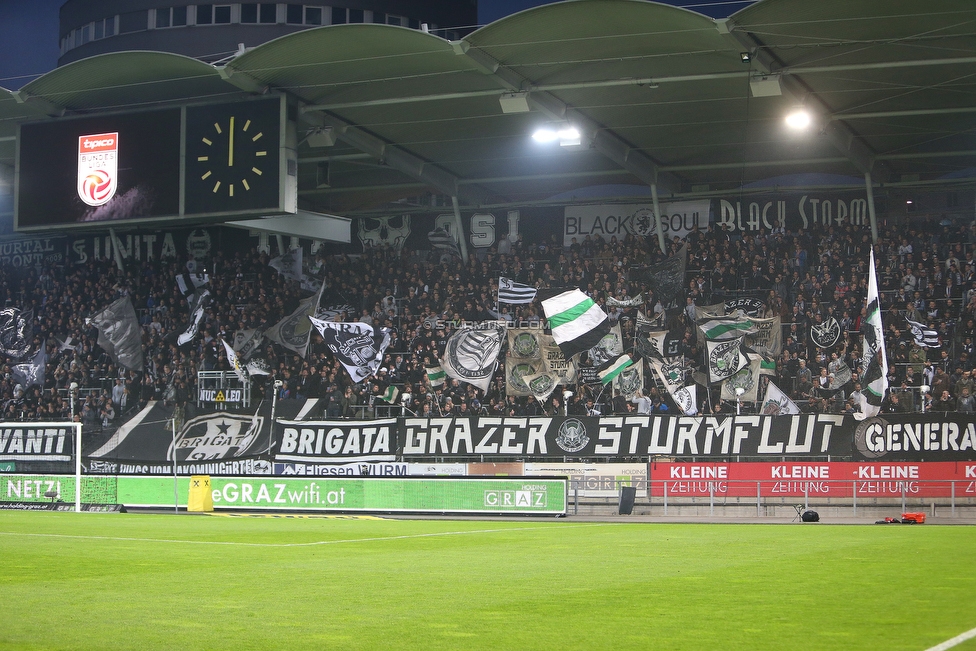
747 379
391 394
614 367
630 380
724 359
541 385
726 329
577 322
436 376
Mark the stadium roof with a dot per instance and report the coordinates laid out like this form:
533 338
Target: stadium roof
660 94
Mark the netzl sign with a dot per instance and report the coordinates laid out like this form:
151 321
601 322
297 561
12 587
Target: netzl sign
801 435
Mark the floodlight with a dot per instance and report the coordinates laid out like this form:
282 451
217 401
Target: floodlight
566 134
798 119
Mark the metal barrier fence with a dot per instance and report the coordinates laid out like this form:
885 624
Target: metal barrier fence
800 495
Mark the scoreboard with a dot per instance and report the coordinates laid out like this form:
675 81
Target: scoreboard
210 161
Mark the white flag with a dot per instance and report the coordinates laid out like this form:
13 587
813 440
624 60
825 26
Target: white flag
777 403
235 363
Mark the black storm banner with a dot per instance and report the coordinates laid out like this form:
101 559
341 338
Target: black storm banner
749 436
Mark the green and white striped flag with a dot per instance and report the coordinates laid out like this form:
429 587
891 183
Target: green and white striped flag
613 368
577 322
392 393
726 329
436 376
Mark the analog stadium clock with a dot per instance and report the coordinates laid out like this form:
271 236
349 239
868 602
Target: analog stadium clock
233 157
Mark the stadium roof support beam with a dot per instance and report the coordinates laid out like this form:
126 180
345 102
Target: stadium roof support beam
396 157
840 135
603 140
42 104
242 80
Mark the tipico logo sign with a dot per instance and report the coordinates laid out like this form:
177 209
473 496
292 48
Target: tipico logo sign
98 167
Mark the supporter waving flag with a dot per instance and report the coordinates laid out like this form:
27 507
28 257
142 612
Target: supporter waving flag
874 365
440 238
924 336
515 293
577 322
120 335
235 362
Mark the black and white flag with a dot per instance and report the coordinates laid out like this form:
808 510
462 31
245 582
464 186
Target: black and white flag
515 293
15 332
357 346
440 238
294 330
471 355
32 372
646 324
246 342
924 336
120 335
289 264
666 279
626 301
724 359
188 282
199 301
825 335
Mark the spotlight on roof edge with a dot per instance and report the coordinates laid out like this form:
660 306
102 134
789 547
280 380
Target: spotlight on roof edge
567 135
798 119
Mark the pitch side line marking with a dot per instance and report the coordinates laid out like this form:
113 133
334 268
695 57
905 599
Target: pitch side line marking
959 639
305 544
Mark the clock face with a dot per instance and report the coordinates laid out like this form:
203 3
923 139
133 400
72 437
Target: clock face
232 157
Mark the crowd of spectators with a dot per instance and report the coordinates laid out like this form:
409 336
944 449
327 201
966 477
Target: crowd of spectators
926 272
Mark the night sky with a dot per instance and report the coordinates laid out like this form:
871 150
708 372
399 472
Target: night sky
29 31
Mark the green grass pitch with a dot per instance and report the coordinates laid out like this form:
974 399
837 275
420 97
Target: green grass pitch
139 581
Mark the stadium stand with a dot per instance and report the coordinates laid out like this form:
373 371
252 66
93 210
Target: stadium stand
926 271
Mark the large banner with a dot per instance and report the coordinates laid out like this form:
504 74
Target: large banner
936 436
614 220
36 442
208 442
750 436
32 251
813 480
244 442
336 441
794 212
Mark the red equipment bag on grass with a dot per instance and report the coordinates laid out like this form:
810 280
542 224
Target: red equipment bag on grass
914 518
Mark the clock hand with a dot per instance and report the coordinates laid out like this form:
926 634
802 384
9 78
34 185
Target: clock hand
230 145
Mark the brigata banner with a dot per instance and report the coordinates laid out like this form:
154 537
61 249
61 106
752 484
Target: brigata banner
749 436
339 440
814 479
